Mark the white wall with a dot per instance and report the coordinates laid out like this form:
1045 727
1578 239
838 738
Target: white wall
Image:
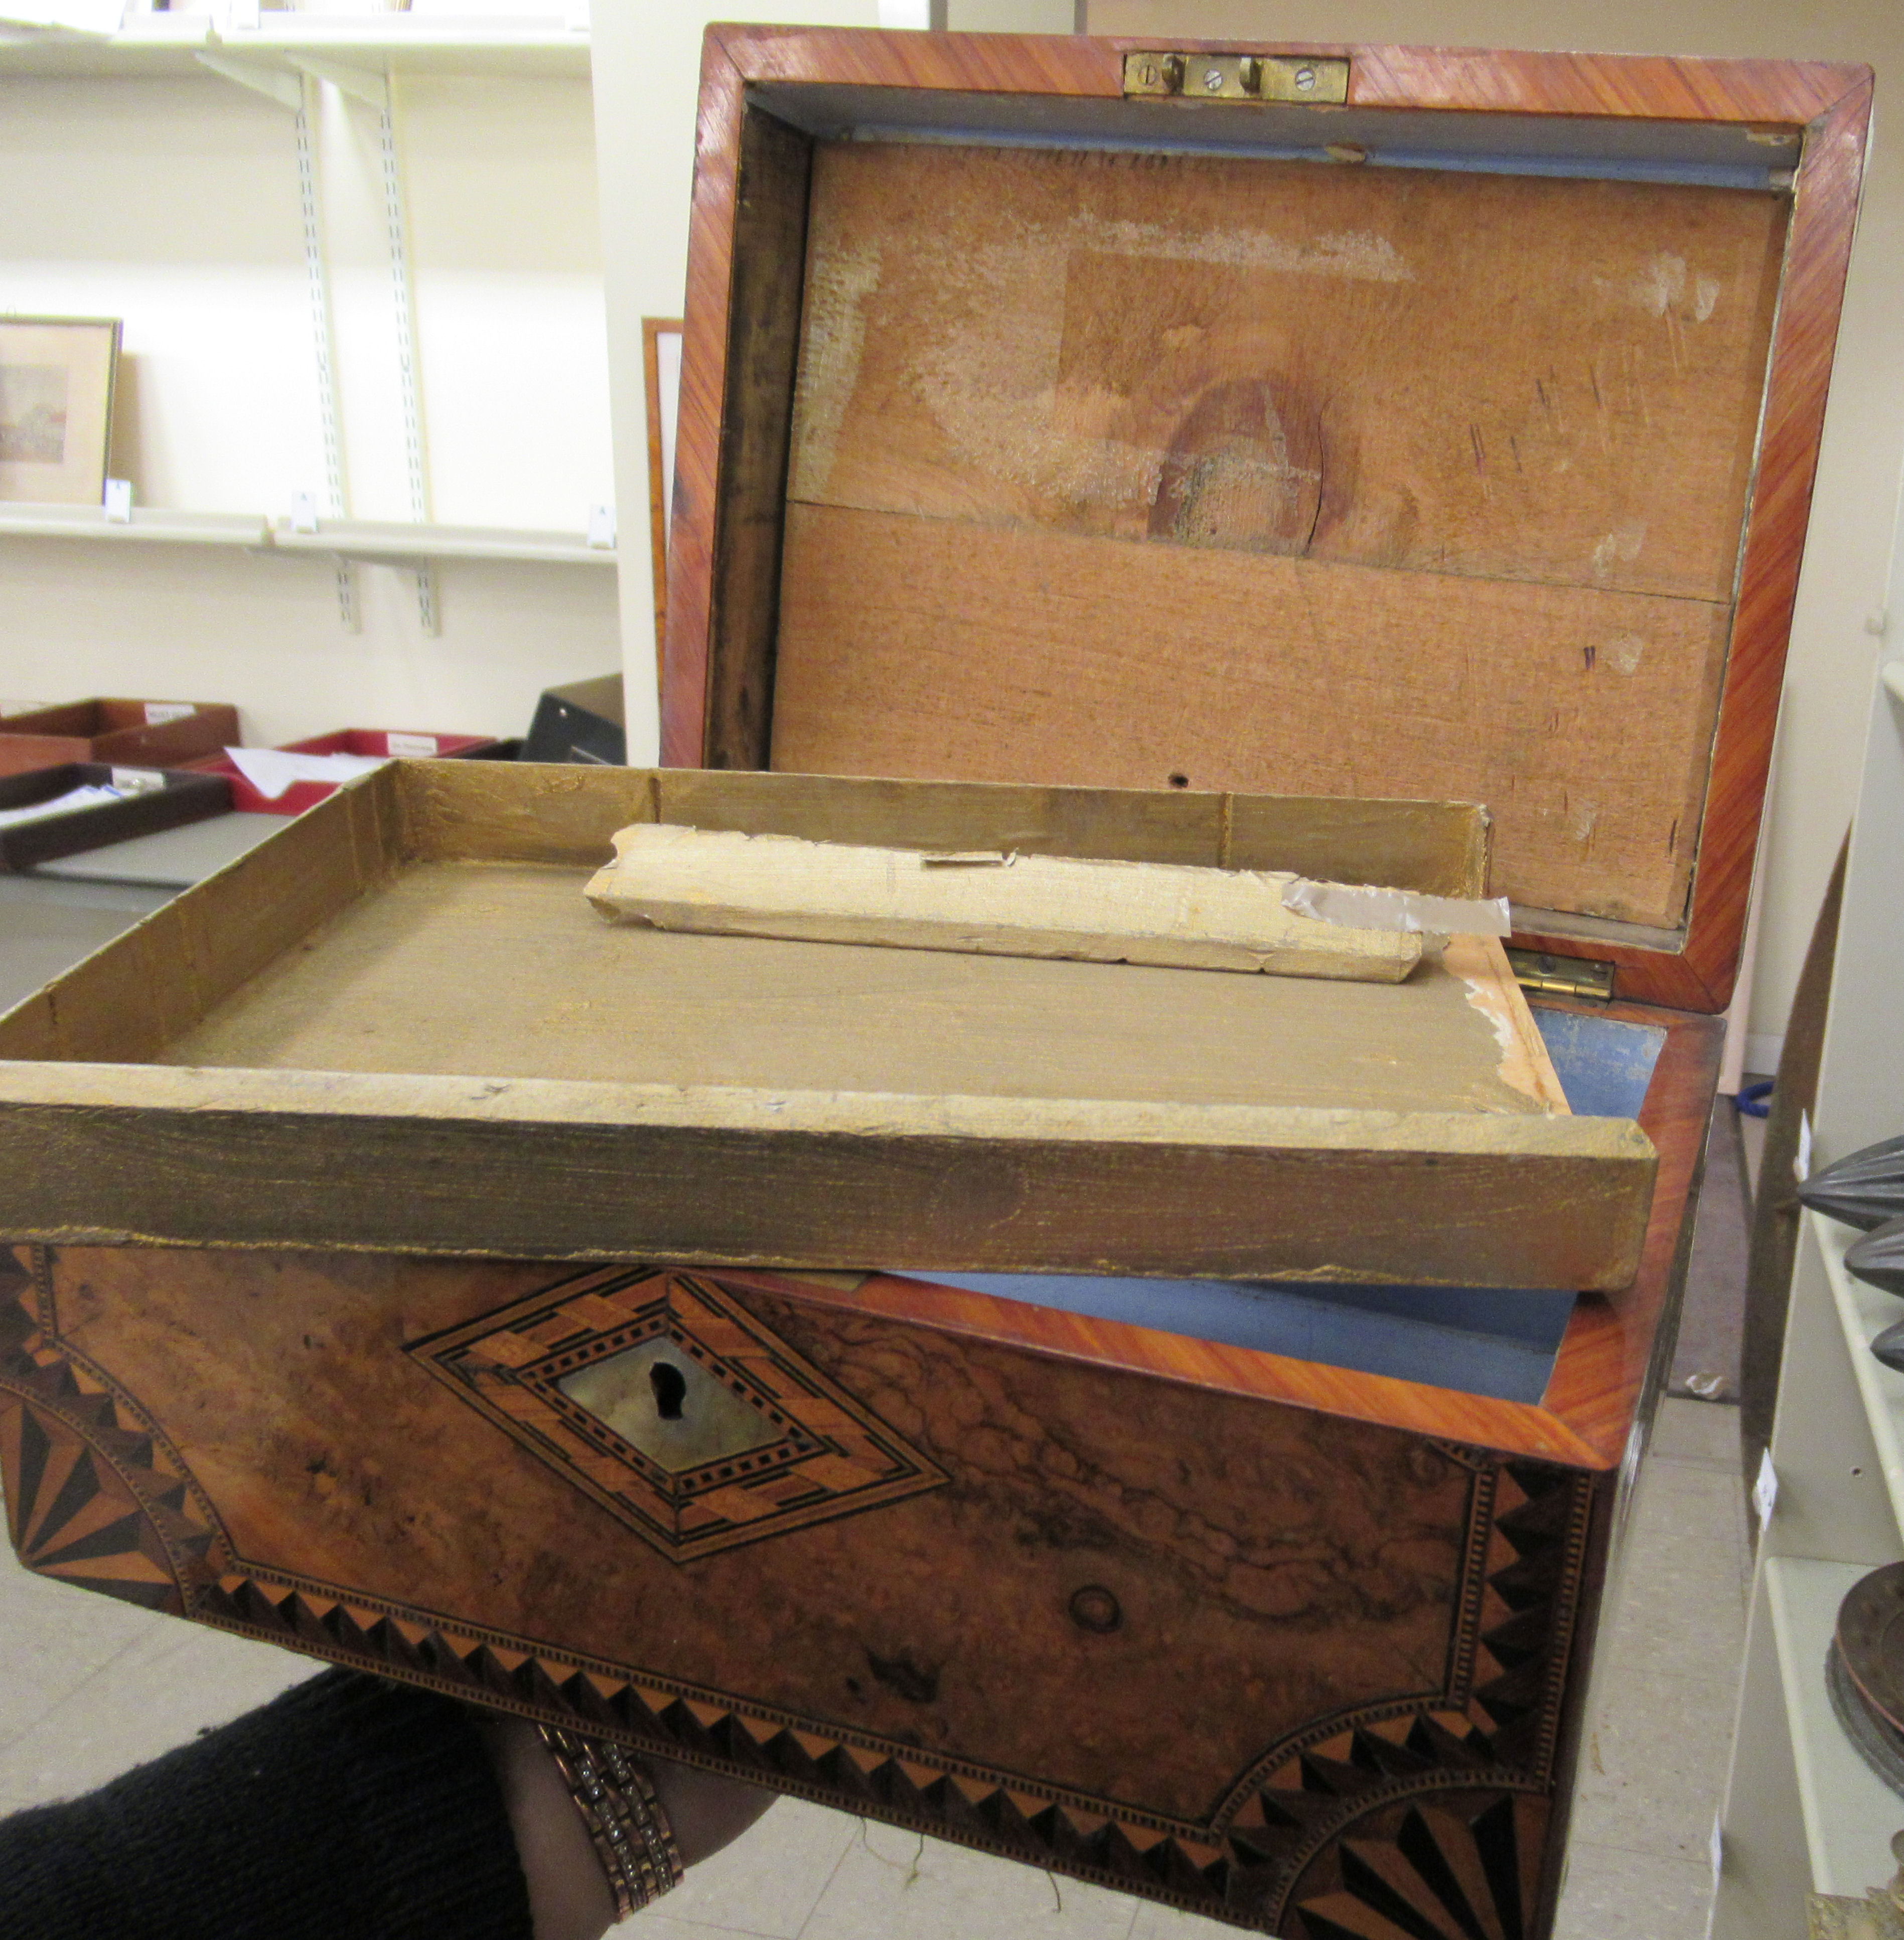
647 62
1814 781
173 205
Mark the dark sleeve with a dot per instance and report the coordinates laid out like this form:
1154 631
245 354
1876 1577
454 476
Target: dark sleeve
348 1809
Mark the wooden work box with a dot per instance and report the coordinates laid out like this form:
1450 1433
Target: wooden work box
1211 423
150 733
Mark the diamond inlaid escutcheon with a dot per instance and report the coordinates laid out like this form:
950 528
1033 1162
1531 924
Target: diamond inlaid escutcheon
666 1404
662 1397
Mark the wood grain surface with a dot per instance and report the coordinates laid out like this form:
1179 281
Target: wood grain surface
770 231
1829 104
501 970
653 329
1608 1365
1555 384
1176 1643
331 1454
1582 718
995 902
535 1168
1494 377
470 811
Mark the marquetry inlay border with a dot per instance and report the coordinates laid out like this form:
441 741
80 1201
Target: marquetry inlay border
829 1455
1435 1808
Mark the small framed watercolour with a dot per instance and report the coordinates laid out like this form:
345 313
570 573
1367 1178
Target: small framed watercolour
56 407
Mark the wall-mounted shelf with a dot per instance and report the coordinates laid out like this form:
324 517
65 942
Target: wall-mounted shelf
267 155
164 528
159 46
365 540
399 544
1849 1813
1864 1313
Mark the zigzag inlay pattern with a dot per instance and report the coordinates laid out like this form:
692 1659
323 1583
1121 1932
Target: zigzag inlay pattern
91 1500
1402 1821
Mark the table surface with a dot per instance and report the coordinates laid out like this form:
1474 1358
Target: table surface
52 916
173 859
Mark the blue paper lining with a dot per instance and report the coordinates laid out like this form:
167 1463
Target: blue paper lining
1485 1341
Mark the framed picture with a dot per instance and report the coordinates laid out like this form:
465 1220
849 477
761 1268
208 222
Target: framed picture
660 346
56 407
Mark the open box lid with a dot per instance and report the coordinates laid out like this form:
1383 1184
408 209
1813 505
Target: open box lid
1446 428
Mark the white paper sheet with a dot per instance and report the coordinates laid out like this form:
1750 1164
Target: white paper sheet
90 795
271 771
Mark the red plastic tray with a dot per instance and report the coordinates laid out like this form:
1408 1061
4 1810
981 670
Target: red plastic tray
301 795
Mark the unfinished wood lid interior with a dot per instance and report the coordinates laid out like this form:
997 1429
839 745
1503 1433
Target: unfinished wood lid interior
1031 433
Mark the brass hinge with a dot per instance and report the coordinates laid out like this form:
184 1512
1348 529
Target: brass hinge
1321 78
1562 976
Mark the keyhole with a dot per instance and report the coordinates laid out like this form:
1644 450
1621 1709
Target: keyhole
670 1389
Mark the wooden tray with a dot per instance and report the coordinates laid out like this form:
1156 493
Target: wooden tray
145 733
398 1025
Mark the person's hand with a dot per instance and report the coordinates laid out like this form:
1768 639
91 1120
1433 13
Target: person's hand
569 1896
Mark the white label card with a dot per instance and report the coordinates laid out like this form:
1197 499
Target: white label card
158 712
1802 1160
1765 1490
118 502
410 744
137 781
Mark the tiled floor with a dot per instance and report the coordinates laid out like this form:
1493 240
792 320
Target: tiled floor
89 1686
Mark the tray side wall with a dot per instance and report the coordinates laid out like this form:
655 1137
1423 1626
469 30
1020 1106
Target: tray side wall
498 812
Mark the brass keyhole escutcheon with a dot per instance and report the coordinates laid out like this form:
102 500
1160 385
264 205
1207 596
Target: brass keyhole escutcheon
670 1387
660 1399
